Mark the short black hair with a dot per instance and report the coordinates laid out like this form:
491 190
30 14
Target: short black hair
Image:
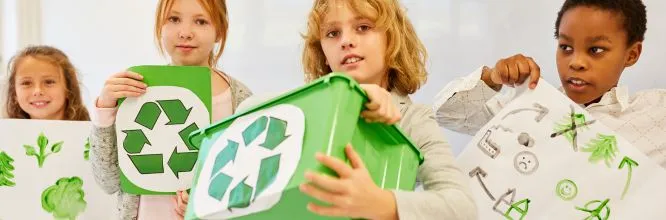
633 12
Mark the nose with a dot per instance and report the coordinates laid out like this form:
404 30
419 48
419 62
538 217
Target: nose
578 62
185 32
38 91
349 40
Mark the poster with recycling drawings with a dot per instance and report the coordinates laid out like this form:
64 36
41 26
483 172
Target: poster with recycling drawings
544 157
45 172
152 130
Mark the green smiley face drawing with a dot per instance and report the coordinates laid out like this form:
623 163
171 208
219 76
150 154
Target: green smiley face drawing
566 190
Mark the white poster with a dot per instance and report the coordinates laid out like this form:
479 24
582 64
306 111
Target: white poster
250 164
544 157
45 172
152 130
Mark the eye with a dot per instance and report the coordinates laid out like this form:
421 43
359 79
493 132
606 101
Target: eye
50 82
363 28
565 48
597 50
25 83
173 19
332 34
201 22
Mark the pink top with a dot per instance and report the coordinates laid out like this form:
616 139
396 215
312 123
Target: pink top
163 206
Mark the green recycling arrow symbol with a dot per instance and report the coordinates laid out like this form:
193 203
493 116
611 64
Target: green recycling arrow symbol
185 133
241 195
148 163
175 111
276 129
268 171
254 130
222 181
136 139
182 162
148 115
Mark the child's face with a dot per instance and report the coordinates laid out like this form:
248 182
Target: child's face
40 89
188 34
592 52
353 45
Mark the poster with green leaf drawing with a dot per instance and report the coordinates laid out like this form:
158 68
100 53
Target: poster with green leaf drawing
44 170
544 157
151 130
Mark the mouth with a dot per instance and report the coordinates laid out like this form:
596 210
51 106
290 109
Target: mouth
523 164
577 84
40 104
185 48
351 59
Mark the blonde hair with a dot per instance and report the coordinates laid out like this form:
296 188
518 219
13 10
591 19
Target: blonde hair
74 108
405 54
216 9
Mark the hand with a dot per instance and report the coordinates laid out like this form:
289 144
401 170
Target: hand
121 85
380 108
181 203
512 71
352 195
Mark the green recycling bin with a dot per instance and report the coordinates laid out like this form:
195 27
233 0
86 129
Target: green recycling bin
251 164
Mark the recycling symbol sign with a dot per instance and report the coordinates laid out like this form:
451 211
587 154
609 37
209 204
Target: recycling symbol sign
152 132
250 164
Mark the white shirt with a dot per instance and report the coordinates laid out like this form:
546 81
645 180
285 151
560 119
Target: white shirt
467 104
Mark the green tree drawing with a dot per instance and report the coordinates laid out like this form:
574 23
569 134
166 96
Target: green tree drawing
567 124
65 199
42 143
604 147
6 169
86 151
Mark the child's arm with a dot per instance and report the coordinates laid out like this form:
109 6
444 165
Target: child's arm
104 152
104 156
468 103
447 194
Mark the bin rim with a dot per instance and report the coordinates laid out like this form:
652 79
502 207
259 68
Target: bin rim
325 79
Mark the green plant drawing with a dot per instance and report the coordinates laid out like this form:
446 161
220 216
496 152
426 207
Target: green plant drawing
6 169
42 143
630 164
86 151
601 212
569 127
604 147
65 200
567 124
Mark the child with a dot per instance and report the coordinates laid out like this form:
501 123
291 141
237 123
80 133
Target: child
43 85
189 32
374 42
597 40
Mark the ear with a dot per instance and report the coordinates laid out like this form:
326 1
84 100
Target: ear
634 52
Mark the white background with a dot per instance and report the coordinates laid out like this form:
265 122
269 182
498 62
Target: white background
103 37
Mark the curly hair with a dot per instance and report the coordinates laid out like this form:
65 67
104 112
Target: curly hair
632 11
405 54
75 110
